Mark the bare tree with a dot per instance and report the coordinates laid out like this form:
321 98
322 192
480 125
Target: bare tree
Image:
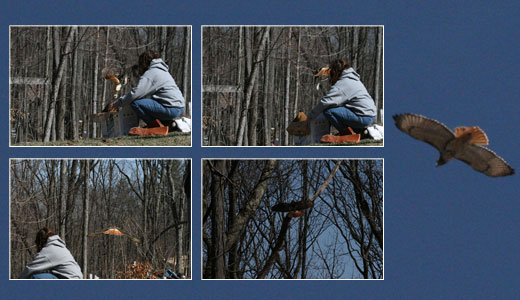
283 219
104 196
86 215
233 104
249 88
57 74
56 82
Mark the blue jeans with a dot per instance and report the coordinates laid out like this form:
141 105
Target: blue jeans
43 276
342 117
149 110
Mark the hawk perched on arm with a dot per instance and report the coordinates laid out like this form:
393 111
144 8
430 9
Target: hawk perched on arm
465 144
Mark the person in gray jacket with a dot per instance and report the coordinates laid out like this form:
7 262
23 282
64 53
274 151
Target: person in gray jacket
347 103
156 96
53 261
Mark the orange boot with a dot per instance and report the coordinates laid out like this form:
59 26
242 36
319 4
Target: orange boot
148 131
153 128
154 124
345 136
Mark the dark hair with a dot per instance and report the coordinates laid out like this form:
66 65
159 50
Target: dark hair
145 59
41 237
336 67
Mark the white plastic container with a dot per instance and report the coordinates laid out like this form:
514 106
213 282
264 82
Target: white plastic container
117 124
319 127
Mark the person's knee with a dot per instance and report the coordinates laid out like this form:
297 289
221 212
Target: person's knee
43 276
328 113
134 104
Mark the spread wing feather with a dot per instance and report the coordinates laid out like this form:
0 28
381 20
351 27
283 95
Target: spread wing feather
485 161
424 129
293 206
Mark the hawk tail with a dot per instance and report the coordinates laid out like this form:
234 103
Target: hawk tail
477 135
112 78
295 214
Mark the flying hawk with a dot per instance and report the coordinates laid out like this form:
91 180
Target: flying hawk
113 231
465 144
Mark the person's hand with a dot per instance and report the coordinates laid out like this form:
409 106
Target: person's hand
111 107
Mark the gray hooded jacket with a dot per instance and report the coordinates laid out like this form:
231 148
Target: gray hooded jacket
155 83
54 258
350 92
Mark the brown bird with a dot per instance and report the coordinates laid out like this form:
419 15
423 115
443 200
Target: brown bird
465 144
295 214
293 206
113 231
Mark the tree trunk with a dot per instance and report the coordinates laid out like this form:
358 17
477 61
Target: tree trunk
180 237
186 71
287 90
55 86
265 105
95 92
354 48
252 204
73 97
249 89
217 220
63 197
240 83
48 80
254 118
164 42
105 65
379 58
71 195
60 116
296 110
86 196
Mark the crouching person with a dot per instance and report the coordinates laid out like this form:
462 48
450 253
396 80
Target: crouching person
347 105
156 99
53 261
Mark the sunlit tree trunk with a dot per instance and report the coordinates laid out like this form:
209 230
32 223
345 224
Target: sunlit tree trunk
186 70
249 89
63 197
56 84
287 89
74 93
95 80
267 95
86 211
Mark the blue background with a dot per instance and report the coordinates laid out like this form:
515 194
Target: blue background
450 232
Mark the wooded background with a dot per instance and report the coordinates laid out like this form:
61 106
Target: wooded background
341 236
256 79
147 199
57 74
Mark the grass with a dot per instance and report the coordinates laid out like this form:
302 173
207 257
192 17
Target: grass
363 142
172 139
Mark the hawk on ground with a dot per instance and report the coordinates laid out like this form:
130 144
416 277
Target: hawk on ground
465 144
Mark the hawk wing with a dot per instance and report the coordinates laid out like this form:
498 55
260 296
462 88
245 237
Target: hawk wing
424 129
485 161
293 206
114 231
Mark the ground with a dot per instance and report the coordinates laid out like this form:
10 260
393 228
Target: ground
364 142
172 139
